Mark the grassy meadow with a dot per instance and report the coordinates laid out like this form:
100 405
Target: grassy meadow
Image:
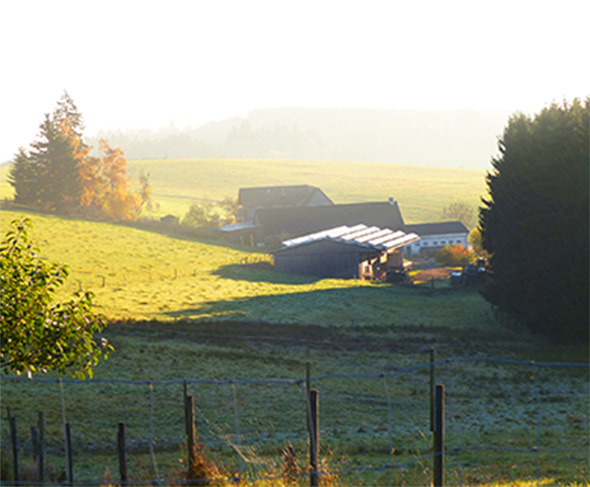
138 274
189 309
210 312
422 191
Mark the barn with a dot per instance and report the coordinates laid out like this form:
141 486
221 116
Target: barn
358 251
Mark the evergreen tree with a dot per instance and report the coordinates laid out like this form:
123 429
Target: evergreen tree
55 158
48 176
66 109
23 178
535 221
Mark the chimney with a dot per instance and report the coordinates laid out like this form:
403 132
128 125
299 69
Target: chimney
391 200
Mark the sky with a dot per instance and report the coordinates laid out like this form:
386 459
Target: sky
147 64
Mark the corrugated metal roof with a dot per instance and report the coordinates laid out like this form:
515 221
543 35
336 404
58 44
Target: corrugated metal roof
234 227
373 238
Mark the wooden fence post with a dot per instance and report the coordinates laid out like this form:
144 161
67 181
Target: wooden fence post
41 452
14 441
69 464
439 437
191 436
314 436
432 388
307 389
121 452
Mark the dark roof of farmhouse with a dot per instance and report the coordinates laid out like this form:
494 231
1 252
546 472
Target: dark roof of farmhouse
437 228
279 196
298 221
366 238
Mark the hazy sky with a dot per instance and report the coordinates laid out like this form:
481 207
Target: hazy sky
147 63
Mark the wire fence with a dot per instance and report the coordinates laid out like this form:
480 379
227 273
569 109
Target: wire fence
505 420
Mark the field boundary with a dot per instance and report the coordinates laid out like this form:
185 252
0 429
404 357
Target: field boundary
535 447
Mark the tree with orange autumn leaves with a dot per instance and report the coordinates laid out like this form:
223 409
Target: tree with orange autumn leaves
59 174
105 185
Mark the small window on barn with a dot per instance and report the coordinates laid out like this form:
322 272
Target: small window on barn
458 241
443 242
435 242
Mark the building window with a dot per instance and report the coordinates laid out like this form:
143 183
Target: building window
435 242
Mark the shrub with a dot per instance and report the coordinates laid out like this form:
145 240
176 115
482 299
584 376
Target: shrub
454 256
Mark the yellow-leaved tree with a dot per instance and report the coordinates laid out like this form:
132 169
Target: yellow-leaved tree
106 186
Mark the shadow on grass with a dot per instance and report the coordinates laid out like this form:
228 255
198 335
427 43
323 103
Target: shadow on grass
262 272
384 318
377 305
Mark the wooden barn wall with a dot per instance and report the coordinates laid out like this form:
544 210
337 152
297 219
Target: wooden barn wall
322 259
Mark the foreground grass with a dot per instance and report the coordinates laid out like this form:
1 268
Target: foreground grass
246 425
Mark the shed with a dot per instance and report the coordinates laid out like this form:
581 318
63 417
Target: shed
244 233
359 251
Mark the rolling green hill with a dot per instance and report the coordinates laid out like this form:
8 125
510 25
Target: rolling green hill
421 191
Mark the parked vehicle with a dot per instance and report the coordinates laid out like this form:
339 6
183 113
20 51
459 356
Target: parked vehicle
472 275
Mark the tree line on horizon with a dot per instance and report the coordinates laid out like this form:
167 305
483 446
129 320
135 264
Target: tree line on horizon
453 138
58 173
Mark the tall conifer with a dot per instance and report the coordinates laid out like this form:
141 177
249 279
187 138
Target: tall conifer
535 221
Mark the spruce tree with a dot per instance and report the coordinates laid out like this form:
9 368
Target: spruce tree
48 176
535 221
23 177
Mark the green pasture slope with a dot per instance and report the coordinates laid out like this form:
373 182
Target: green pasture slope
209 315
422 191
138 274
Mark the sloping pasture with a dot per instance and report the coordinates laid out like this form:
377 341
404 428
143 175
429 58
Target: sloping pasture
422 191
139 274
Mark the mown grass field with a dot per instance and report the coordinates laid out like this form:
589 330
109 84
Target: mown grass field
209 316
421 191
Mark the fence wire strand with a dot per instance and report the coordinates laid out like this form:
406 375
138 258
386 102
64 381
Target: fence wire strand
241 437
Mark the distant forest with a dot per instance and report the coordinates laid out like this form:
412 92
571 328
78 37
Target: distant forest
450 138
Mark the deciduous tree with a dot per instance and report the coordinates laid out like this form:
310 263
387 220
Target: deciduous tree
459 210
38 334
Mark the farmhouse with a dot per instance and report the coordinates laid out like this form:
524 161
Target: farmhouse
279 224
272 214
252 199
435 236
345 252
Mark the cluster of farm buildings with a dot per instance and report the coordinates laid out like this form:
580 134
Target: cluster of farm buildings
314 236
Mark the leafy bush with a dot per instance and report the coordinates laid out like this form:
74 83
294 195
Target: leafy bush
37 334
454 256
